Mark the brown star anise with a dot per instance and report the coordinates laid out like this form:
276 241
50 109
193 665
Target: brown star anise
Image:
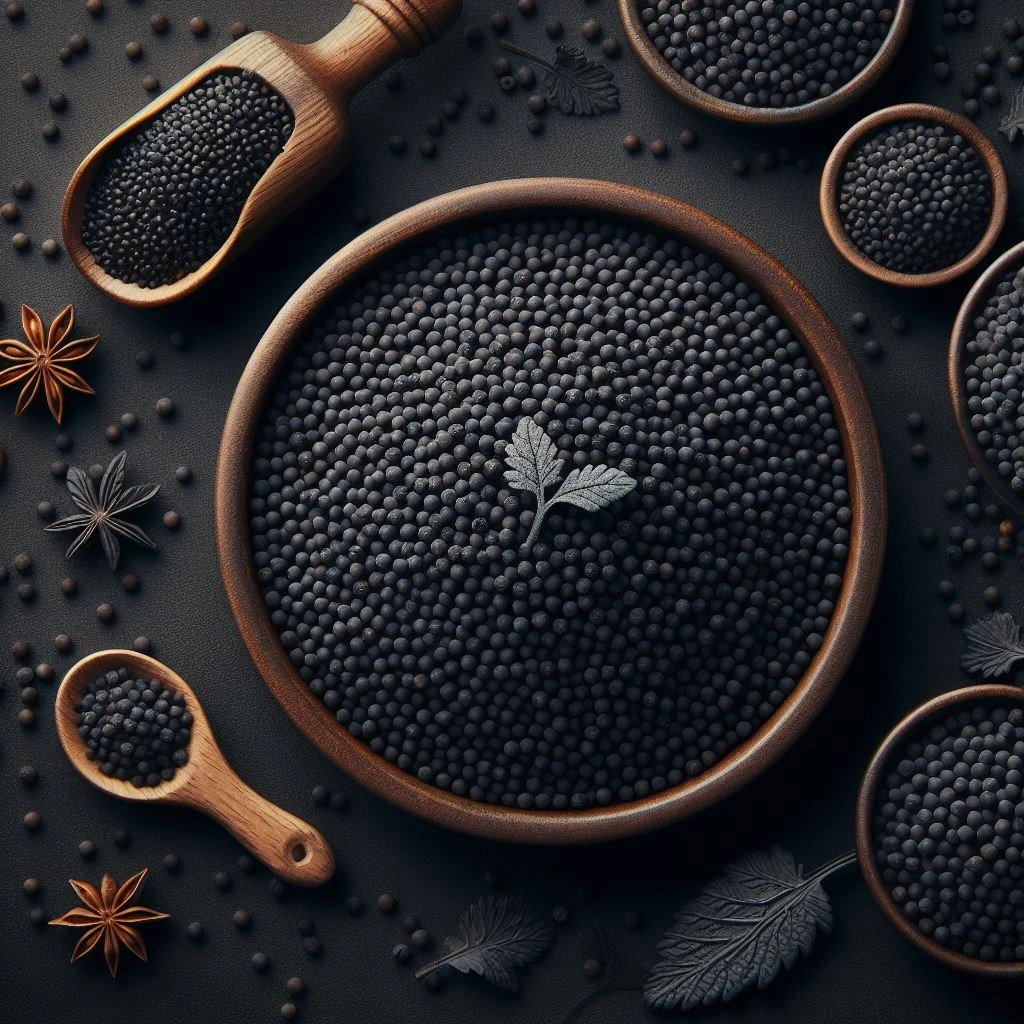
108 914
43 360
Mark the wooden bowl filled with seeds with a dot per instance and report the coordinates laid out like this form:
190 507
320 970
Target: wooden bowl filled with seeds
766 62
914 195
986 368
940 829
551 510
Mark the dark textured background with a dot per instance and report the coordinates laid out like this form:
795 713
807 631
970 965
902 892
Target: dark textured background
863 974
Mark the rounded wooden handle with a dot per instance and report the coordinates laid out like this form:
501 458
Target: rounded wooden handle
289 846
415 23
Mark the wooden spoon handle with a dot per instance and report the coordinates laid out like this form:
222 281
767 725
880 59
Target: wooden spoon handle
375 34
289 846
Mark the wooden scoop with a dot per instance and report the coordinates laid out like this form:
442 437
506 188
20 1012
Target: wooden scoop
293 850
318 81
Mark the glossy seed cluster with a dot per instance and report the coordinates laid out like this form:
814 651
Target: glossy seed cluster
136 730
626 649
949 832
994 380
915 197
768 53
170 196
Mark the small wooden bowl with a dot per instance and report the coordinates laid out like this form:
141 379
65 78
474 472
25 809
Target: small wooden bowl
963 330
830 182
464 209
676 85
913 724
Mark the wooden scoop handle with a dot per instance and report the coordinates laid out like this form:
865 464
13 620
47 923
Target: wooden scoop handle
375 34
290 847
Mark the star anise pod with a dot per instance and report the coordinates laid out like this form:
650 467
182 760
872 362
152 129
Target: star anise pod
43 360
102 509
109 916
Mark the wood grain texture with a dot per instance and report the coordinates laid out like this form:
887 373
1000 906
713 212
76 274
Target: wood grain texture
463 209
913 724
318 81
828 197
288 846
658 67
963 331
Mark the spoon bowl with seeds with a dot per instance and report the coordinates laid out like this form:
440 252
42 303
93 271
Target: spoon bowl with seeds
181 188
103 736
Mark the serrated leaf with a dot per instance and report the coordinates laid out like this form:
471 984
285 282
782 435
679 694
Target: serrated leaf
532 458
993 646
578 85
574 82
759 917
495 938
593 487
1012 125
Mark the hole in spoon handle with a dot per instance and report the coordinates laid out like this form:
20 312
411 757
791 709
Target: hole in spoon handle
290 847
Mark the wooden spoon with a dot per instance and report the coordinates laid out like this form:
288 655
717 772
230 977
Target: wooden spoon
292 849
318 81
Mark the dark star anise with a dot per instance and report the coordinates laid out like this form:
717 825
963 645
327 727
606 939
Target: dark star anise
102 510
108 915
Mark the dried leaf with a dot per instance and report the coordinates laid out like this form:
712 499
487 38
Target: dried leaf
533 465
495 937
741 931
993 645
593 487
1012 125
574 82
532 459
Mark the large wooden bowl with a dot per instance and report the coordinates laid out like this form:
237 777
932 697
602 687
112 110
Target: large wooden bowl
905 730
963 330
828 196
656 65
864 465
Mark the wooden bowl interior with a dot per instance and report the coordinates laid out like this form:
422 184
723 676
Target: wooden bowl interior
916 722
468 208
836 163
80 675
963 331
676 85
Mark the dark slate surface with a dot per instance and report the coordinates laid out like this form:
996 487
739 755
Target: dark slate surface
865 973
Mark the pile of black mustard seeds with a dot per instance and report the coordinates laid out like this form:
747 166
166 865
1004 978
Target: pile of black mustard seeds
994 380
170 196
625 649
768 53
137 730
915 197
949 832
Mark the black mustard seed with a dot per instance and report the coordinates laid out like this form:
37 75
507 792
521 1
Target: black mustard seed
137 730
170 196
628 649
915 197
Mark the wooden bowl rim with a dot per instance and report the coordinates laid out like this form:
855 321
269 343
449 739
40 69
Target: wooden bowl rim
676 85
963 330
907 726
70 692
864 466
828 197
